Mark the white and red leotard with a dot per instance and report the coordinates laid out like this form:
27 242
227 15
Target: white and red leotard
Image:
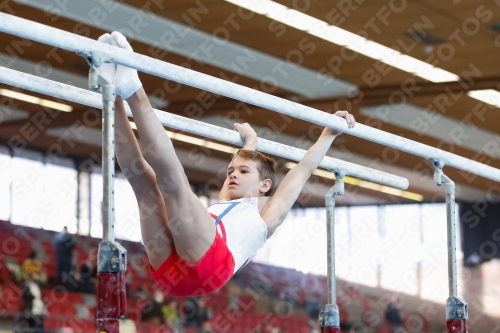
240 234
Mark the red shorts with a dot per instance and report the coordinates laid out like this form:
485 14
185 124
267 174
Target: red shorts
179 278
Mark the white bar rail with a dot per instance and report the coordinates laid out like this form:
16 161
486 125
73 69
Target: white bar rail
71 42
85 97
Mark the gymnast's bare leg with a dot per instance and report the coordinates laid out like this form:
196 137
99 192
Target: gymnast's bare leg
192 228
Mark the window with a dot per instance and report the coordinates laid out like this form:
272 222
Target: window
363 245
397 247
401 248
44 195
5 183
127 222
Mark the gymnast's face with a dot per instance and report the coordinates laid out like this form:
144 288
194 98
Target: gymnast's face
244 179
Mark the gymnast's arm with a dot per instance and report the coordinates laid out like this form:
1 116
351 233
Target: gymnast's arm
280 203
248 136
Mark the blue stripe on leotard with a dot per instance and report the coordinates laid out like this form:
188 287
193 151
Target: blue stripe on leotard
227 210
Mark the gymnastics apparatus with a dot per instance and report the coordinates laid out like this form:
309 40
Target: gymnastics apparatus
112 257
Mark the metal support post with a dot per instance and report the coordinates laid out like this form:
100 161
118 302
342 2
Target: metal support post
329 317
456 308
112 256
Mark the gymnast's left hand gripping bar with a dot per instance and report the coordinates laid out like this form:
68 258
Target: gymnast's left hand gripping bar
112 256
85 97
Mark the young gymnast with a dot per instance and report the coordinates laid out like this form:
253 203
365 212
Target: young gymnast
191 251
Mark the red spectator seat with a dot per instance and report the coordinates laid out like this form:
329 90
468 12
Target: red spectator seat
77 325
51 324
11 298
246 304
5 276
75 298
383 329
56 309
